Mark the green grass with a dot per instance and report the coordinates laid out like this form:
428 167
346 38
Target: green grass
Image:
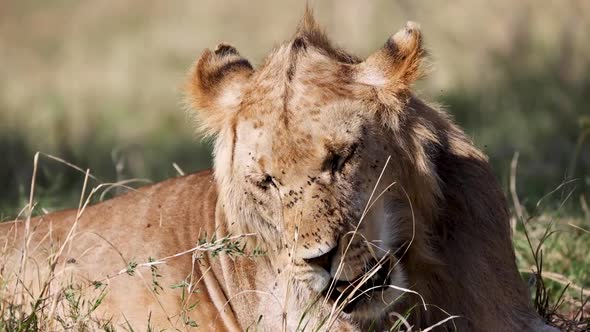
552 255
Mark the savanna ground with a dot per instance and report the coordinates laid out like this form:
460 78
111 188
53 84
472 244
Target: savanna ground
98 84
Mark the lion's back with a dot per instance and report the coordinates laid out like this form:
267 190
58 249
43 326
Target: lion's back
162 202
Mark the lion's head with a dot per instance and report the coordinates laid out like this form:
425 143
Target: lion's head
327 158
301 148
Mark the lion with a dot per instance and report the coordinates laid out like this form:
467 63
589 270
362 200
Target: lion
363 201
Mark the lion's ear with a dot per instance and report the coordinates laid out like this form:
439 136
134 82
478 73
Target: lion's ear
216 85
393 68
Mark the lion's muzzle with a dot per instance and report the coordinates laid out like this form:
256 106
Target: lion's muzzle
347 292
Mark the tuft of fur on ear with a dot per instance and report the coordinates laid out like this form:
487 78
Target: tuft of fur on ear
215 86
309 33
398 64
310 30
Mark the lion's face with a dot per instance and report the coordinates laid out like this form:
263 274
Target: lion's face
307 183
299 154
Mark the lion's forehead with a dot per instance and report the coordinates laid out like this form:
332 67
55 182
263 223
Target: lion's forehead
276 145
289 81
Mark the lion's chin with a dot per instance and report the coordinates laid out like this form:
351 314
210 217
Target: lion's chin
320 281
370 300
348 295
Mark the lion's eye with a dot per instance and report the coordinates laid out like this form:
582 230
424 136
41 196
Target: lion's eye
335 162
265 182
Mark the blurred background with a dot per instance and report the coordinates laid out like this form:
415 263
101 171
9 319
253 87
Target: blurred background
97 83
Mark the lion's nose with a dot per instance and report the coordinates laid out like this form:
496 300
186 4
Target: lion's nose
323 260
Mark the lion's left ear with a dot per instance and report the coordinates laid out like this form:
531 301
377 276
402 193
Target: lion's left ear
393 68
216 85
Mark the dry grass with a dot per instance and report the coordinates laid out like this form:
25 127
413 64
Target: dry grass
561 298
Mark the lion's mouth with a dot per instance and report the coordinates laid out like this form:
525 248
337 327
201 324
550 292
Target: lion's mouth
348 294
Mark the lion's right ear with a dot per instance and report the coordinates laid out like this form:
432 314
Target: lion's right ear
216 85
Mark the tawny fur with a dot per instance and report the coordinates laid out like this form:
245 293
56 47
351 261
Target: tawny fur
301 143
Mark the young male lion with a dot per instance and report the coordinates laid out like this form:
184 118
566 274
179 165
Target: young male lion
368 204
